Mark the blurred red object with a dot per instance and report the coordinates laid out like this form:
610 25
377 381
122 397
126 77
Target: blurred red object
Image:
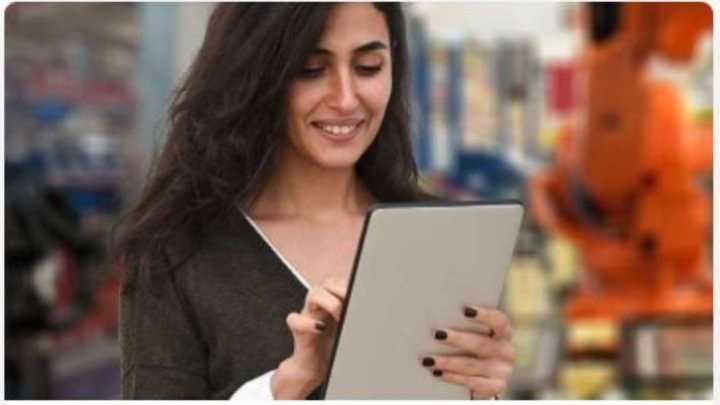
561 88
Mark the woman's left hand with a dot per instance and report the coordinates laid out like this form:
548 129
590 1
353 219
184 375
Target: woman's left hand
486 363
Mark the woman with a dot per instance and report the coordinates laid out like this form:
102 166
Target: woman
292 121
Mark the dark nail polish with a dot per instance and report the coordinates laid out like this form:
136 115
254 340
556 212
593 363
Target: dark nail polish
470 312
320 326
491 334
428 362
437 373
440 335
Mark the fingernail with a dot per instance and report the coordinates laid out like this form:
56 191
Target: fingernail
491 333
470 312
440 335
437 373
320 326
428 362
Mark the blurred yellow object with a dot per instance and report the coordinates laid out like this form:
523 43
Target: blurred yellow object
589 335
524 340
517 138
587 379
526 294
563 263
703 117
546 138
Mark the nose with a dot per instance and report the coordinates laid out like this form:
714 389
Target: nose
343 95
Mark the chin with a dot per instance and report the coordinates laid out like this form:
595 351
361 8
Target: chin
337 160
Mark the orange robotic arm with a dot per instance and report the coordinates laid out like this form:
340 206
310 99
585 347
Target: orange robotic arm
614 150
622 185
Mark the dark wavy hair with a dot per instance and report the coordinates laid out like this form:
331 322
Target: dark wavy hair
227 121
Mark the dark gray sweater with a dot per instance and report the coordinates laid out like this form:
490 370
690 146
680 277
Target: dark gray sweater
213 324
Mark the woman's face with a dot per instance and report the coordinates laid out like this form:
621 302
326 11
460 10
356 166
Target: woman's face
337 103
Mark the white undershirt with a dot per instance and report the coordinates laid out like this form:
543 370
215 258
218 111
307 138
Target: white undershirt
259 388
277 253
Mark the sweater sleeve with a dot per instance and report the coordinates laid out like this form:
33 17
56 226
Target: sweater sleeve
162 356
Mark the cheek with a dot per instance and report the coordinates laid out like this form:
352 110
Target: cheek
378 95
302 98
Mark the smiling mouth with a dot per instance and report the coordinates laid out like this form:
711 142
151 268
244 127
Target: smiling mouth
340 130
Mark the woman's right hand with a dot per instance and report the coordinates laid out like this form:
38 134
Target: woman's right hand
314 330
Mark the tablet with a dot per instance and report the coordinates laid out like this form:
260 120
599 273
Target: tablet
416 267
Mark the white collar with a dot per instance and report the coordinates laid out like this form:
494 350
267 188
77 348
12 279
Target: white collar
277 253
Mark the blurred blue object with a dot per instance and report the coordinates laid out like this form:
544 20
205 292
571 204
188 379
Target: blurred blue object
51 112
455 102
488 174
420 86
97 198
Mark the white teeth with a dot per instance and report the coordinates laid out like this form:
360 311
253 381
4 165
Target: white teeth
338 129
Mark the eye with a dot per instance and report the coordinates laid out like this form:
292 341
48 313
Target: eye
368 70
312 72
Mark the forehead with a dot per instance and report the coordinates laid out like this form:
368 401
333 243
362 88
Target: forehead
352 24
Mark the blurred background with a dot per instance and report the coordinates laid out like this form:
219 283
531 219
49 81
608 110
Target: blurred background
597 118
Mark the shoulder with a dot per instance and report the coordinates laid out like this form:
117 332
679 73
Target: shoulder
189 260
227 242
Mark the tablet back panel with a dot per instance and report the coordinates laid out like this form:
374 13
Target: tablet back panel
417 267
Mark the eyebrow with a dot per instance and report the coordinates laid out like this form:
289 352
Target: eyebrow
365 48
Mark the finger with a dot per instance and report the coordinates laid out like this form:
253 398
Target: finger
498 323
337 287
477 344
304 325
320 303
482 387
470 366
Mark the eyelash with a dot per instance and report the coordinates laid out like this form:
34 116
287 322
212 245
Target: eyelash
362 70
368 70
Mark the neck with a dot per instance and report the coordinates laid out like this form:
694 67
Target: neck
298 188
